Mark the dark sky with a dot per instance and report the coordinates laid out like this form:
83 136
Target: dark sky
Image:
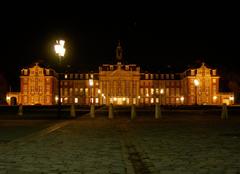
151 40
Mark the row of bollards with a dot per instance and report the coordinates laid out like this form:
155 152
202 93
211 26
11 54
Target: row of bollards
72 110
158 112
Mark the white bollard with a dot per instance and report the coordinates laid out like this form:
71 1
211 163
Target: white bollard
110 111
20 110
224 114
72 111
133 112
92 111
158 113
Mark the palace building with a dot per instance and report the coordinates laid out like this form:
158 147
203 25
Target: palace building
120 84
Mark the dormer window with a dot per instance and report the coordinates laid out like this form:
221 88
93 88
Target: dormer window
167 76
146 76
214 72
162 76
25 72
151 76
192 72
111 67
47 72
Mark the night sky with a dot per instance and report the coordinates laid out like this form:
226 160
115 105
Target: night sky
152 40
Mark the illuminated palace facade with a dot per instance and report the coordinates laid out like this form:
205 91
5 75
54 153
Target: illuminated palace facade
121 84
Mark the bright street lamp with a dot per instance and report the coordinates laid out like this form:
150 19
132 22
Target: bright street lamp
60 51
59 48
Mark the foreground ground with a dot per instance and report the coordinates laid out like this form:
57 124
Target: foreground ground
176 143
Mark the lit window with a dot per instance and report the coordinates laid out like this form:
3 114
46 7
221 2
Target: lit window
146 90
152 91
91 100
65 76
151 76
86 90
152 100
97 100
76 100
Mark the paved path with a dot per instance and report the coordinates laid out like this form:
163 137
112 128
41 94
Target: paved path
170 145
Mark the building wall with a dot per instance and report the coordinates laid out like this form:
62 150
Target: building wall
124 85
37 86
208 89
121 85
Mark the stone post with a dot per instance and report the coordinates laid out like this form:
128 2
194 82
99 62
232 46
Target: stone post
224 114
72 111
20 110
92 111
133 111
158 113
110 111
